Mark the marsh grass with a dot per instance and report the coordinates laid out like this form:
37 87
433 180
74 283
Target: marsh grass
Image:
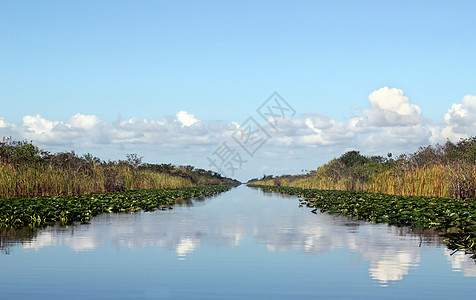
435 171
27 171
46 180
456 181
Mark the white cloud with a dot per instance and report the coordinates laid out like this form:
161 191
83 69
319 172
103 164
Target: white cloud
87 122
88 130
469 101
48 132
6 128
318 122
3 123
313 131
389 107
39 125
460 120
186 119
403 137
170 132
93 129
390 122
392 99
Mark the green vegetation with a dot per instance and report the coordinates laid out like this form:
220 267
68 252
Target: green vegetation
447 170
38 188
433 188
455 218
27 171
41 211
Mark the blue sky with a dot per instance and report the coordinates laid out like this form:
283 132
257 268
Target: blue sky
72 72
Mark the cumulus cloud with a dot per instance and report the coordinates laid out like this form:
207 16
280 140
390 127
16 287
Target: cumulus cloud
393 121
392 99
181 130
460 120
3 123
313 130
170 131
186 119
317 122
6 128
390 121
87 122
91 127
403 137
48 132
389 107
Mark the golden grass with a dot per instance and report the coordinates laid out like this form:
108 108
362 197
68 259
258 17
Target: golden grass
431 181
40 180
423 181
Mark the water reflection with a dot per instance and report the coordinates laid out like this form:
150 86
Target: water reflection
271 221
460 263
9 238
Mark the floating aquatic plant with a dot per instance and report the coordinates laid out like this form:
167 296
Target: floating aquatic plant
40 211
454 218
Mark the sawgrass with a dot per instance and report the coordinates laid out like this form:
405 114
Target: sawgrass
431 181
37 179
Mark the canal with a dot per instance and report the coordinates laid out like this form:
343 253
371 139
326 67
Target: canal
242 244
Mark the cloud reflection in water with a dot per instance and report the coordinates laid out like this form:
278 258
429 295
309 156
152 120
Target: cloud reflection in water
270 220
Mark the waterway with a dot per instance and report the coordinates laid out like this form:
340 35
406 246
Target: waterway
242 244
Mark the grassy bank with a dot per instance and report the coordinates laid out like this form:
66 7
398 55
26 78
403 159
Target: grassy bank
447 170
46 180
27 171
41 211
455 218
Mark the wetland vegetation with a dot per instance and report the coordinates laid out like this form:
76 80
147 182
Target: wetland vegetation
433 188
27 171
454 218
48 210
447 170
39 188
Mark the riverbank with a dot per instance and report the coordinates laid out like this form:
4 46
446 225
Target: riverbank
454 218
447 170
27 171
41 211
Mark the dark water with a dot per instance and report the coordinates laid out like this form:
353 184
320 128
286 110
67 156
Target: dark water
242 244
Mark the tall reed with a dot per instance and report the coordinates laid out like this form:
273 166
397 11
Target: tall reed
456 180
44 180
421 181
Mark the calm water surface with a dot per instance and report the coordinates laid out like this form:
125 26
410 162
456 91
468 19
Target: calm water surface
242 244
